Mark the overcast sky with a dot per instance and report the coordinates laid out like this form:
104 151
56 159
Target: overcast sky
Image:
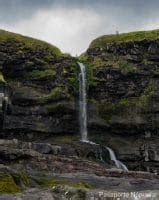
73 24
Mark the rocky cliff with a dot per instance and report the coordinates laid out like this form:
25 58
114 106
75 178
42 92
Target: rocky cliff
124 95
37 79
39 107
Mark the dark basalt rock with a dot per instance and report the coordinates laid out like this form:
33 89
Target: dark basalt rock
123 99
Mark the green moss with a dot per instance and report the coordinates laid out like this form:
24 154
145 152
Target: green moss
7 184
55 94
115 62
93 101
133 102
91 79
22 176
73 82
1 77
38 74
57 108
73 79
106 106
125 37
99 62
126 106
126 66
28 42
54 182
123 102
83 57
145 97
148 90
143 100
66 138
41 126
145 61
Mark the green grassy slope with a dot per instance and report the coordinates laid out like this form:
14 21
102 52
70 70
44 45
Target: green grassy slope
132 36
28 41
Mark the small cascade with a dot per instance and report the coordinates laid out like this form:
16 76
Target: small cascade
123 166
118 163
83 118
113 157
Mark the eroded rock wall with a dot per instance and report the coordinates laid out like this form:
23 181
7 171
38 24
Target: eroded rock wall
123 99
40 80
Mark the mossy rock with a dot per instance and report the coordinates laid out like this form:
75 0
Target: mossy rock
59 108
53 182
40 74
7 184
57 93
1 77
22 177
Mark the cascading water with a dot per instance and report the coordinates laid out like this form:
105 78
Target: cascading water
113 157
118 163
83 117
82 102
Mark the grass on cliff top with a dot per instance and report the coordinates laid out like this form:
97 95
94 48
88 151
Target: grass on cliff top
28 41
132 36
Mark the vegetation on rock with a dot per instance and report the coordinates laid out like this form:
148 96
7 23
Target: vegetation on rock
39 74
1 77
125 37
7 184
28 42
53 182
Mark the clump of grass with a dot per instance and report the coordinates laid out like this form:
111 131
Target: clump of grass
22 176
56 93
38 74
145 97
123 102
7 184
1 77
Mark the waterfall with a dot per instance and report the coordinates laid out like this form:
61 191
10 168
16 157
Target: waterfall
83 117
113 157
82 102
118 163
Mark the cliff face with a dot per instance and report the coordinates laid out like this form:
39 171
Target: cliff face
125 82
124 94
38 79
39 93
